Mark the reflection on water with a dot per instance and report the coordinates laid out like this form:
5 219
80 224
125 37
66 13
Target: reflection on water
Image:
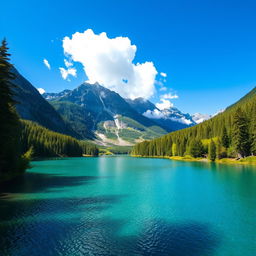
129 206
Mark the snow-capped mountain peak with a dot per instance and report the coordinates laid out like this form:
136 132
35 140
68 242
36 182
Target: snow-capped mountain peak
199 118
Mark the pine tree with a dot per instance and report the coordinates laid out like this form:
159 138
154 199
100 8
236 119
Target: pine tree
224 138
253 133
241 139
174 149
196 148
11 160
212 151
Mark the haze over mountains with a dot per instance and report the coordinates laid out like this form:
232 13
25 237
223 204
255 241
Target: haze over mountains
94 112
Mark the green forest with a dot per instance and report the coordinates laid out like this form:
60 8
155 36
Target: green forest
231 134
46 143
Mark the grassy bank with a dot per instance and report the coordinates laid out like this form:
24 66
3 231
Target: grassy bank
250 160
115 150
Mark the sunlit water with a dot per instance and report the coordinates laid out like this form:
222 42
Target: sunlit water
129 206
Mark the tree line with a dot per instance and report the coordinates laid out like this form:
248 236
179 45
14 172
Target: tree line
46 143
230 134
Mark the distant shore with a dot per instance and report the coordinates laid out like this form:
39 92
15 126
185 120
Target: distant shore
250 160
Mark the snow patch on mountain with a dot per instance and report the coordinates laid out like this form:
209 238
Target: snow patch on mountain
199 118
171 113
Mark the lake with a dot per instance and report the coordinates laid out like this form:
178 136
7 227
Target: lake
129 206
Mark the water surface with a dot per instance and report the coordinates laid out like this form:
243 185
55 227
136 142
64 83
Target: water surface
129 206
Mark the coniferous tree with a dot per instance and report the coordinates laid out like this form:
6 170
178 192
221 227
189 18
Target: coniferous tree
174 149
196 148
224 138
11 161
241 139
212 151
253 136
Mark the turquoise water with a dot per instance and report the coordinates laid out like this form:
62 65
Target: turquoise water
129 206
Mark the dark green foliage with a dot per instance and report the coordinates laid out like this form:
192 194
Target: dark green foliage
47 143
234 132
252 131
196 148
11 160
253 140
212 151
224 138
241 140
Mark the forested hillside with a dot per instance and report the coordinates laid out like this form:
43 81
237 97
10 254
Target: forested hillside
46 143
229 134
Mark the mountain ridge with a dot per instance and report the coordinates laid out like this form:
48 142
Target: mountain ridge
109 117
32 106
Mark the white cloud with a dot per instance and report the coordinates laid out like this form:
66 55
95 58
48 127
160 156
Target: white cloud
170 96
41 90
47 64
68 63
199 118
156 114
163 88
66 72
163 74
164 104
109 61
182 120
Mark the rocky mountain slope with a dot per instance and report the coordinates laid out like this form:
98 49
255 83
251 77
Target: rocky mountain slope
32 106
107 117
170 119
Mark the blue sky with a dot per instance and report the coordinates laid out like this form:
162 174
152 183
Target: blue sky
207 48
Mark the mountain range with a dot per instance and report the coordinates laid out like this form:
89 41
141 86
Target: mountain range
93 112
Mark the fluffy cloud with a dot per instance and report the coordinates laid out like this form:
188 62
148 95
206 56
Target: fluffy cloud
68 63
41 90
163 88
170 96
47 64
182 120
164 104
109 61
163 74
156 114
66 72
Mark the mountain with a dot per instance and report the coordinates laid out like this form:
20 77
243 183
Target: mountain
107 117
54 96
219 129
32 106
141 105
199 118
170 119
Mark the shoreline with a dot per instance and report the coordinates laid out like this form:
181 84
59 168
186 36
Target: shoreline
251 160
